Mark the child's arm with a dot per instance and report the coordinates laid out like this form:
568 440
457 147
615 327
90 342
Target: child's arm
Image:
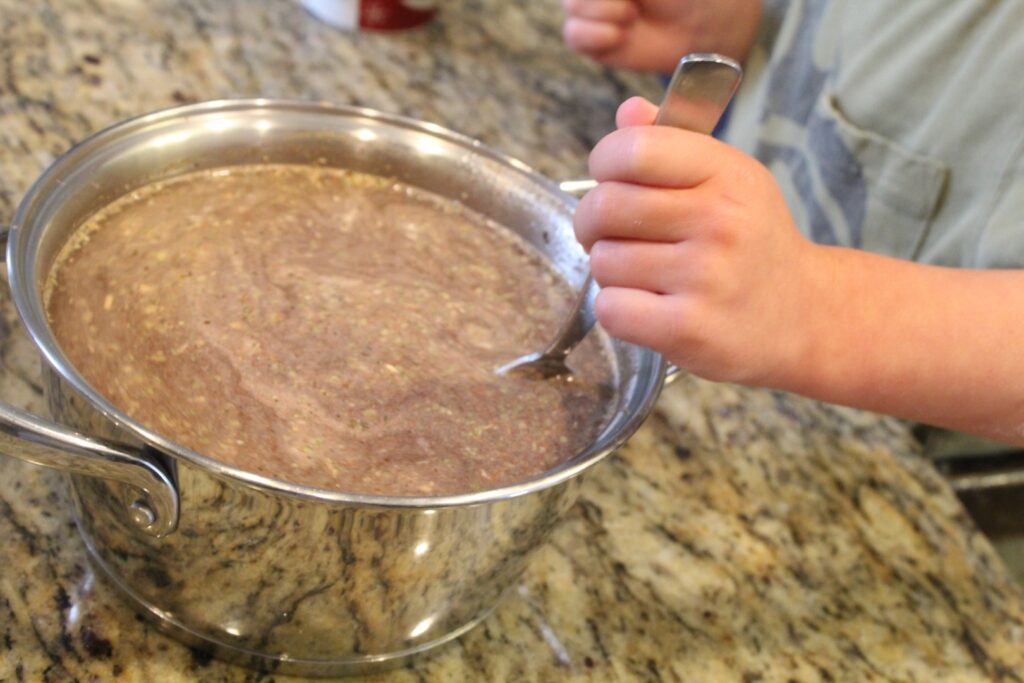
651 35
699 258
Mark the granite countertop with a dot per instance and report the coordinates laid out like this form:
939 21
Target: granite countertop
740 536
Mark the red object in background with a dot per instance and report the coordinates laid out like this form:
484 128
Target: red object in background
390 15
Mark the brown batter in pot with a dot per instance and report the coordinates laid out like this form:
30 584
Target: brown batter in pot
325 328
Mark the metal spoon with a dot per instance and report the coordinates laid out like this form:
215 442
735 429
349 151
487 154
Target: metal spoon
700 90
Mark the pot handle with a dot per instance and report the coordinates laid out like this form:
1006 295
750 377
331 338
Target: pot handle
153 503
578 188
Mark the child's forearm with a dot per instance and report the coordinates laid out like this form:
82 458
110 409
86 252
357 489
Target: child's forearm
937 345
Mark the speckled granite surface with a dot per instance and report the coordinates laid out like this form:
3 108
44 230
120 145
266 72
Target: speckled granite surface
741 536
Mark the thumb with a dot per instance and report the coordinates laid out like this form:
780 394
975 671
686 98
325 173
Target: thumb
636 111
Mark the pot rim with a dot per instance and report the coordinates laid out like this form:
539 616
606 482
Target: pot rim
28 303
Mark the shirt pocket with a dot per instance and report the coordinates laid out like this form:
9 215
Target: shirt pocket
892 192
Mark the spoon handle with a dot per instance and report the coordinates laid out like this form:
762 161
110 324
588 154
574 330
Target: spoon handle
580 320
700 90
696 97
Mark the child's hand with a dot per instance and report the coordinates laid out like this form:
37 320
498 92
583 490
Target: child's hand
651 35
697 254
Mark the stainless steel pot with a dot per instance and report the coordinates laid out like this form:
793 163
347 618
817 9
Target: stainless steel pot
263 572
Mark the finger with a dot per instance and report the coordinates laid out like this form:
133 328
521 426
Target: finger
613 11
640 317
652 266
636 111
658 156
592 37
615 210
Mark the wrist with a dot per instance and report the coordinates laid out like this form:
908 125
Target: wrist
820 320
